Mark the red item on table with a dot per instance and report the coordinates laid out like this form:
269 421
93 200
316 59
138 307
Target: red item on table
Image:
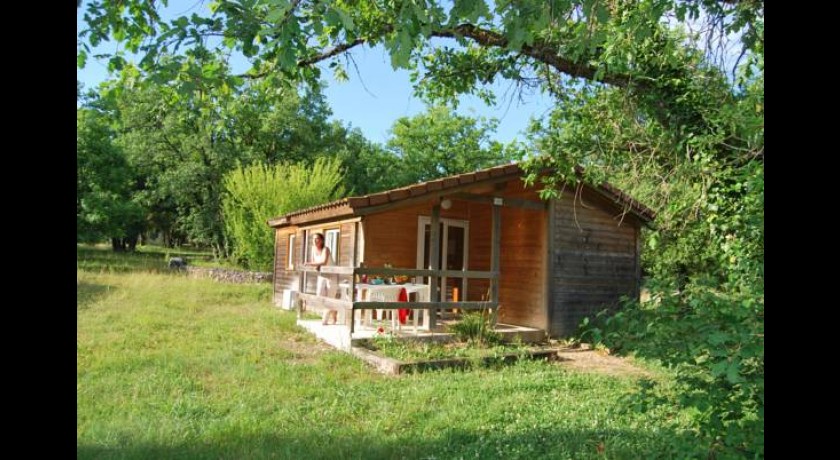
403 312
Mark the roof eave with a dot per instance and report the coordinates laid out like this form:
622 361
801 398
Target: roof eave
329 211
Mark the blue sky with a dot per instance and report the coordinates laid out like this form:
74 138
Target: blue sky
375 97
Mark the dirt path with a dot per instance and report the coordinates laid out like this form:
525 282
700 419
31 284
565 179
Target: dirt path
586 360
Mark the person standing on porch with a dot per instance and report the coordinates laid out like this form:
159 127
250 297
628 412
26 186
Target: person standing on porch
321 256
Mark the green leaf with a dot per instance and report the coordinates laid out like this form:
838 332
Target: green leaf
116 63
276 14
331 17
718 338
119 33
346 20
719 368
287 58
81 59
732 373
516 37
602 13
400 49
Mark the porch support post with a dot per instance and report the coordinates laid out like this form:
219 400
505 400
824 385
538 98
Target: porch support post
638 234
355 264
302 261
434 258
495 247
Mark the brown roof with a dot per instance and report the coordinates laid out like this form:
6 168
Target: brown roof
349 206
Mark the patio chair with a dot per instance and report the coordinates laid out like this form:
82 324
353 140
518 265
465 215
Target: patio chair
385 294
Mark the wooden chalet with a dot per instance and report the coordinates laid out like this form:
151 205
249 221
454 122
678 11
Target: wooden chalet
478 240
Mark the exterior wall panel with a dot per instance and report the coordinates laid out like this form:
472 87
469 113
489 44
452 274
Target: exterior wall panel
595 260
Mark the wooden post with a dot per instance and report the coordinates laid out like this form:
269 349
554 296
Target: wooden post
434 260
274 267
549 266
302 262
638 234
355 263
495 248
352 295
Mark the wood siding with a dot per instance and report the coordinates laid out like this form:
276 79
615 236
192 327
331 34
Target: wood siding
290 279
283 277
524 260
522 283
595 259
346 248
391 236
479 244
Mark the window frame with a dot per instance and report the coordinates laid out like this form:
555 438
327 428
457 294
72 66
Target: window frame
290 247
332 240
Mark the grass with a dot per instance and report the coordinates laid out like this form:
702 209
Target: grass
146 258
411 350
174 367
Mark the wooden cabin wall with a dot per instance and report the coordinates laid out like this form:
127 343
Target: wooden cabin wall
290 279
522 284
347 232
391 236
479 248
557 266
283 277
595 259
522 288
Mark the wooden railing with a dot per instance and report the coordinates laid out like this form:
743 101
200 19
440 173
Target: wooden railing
433 304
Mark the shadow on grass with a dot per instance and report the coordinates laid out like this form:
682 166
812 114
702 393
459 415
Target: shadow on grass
451 444
87 293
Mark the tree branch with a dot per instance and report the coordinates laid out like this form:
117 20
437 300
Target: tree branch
490 39
330 53
338 49
539 51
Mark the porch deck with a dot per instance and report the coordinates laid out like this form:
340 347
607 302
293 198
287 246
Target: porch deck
339 337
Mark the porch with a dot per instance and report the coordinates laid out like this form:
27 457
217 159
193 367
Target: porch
340 337
365 308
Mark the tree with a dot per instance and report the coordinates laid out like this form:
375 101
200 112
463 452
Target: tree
700 165
104 208
182 145
587 39
175 146
368 167
259 192
439 143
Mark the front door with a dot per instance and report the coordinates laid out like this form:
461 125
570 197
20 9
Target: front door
453 253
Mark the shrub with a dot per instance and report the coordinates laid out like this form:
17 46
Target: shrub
476 327
259 192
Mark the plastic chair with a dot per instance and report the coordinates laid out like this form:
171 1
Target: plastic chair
385 294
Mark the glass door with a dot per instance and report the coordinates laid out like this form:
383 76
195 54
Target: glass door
452 252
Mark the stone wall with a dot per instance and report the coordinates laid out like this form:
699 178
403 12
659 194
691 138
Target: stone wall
228 275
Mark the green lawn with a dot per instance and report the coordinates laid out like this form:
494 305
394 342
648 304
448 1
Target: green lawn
173 367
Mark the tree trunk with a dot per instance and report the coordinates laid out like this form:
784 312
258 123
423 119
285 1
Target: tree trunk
132 243
117 245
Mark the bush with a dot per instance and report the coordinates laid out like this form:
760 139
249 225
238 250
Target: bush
259 192
714 343
476 327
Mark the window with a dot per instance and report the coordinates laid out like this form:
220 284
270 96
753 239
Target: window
290 264
332 238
